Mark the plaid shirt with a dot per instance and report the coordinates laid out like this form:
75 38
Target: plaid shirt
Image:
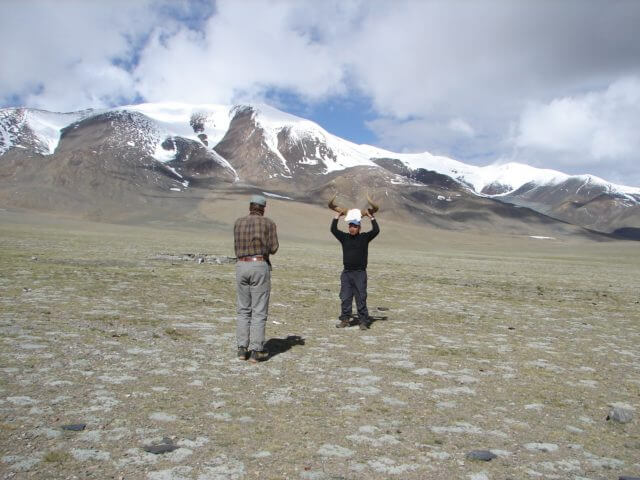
255 235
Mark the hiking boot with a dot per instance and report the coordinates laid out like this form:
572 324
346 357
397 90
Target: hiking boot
257 356
243 354
364 326
342 323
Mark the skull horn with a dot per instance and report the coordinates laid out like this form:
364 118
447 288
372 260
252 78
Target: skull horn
335 207
372 209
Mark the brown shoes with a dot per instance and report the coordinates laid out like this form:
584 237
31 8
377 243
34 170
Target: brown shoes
243 354
257 356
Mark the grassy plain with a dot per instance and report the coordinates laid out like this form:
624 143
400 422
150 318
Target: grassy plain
511 344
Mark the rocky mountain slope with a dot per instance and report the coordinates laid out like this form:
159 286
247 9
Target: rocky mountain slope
98 161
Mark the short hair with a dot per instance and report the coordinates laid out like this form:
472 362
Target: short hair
256 207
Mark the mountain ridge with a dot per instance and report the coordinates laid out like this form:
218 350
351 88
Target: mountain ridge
200 145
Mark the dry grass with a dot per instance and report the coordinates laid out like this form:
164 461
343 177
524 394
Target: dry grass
497 343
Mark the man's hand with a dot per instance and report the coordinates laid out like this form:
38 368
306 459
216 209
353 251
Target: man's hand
339 214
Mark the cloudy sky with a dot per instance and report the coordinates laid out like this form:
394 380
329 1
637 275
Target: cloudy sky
553 84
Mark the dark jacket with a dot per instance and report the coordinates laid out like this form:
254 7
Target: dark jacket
355 248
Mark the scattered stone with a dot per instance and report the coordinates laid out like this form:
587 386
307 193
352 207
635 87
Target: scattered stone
160 449
620 415
454 391
438 455
626 477
74 427
479 476
391 467
482 455
383 309
162 417
47 432
198 442
329 450
459 427
222 467
23 400
85 455
175 473
261 454
199 258
394 402
542 447
165 446
20 463
376 442
603 462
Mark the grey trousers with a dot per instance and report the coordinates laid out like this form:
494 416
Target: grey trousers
353 283
253 285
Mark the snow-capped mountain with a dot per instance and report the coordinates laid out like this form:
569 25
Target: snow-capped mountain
36 130
498 179
175 146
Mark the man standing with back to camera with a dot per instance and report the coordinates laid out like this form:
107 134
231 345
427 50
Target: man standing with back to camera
255 238
353 279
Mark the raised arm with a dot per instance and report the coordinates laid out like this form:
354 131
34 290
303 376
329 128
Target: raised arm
334 229
375 229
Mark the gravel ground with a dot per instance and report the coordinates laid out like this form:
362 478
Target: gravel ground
522 349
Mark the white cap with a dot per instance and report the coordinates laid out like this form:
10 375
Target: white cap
353 216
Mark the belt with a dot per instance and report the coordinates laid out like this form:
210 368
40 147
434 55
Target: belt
251 258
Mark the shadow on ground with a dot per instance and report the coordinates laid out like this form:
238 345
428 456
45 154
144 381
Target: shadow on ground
276 346
355 320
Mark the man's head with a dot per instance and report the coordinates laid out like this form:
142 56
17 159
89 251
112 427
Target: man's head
354 227
257 203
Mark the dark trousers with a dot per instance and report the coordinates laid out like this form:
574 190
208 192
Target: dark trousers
353 283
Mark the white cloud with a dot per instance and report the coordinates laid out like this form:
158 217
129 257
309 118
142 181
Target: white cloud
95 85
246 49
448 77
598 128
459 125
64 54
411 135
601 124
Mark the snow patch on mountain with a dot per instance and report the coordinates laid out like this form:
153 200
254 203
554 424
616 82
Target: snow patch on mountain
6 140
204 123
39 128
47 126
272 121
510 175
158 124
133 127
188 121
345 153
476 178
275 195
162 154
223 161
